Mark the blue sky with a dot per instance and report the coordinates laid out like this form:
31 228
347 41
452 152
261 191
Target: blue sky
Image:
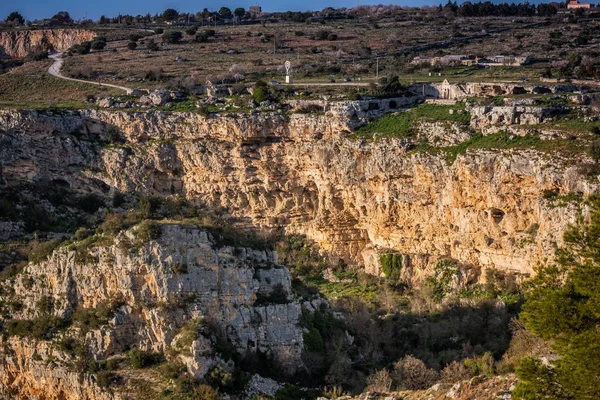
32 9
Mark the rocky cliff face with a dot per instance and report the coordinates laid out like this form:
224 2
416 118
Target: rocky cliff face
356 199
161 286
19 44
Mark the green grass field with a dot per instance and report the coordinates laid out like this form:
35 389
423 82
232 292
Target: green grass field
401 124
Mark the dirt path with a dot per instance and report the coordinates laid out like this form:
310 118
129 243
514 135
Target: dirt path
57 65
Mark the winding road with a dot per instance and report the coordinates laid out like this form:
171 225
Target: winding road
55 68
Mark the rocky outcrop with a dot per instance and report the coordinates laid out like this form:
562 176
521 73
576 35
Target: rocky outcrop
35 370
442 133
19 44
492 118
300 173
182 278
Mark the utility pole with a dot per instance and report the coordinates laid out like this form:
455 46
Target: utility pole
377 74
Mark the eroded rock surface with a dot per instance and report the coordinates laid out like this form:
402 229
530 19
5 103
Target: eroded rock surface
355 198
19 44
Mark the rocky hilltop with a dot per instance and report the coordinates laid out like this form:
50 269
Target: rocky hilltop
19 44
356 198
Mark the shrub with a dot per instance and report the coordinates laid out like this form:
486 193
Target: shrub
83 48
201 37
313 341
94 318
380 381
299 33
261 94
90 203
172 370
41 251
98 45
8 210
159 31
155 74
391 264
43 328
206 392
112 225
483 365
152 45
321 35
81 233
172 37
439 283
149 206
105 378
410 373
219 377
134 37
191 30
148 230
179 268
454 372
39 56
132 45
142 359
594 150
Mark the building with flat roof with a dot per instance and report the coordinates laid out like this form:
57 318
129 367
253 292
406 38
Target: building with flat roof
576 4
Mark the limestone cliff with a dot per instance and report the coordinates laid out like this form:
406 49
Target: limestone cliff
19 44
161 286
355 198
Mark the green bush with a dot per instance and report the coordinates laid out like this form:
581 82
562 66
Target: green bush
41 251
39 56
112 225
313 341
172 370
149 206
159 31
98 45
439 283
218 377
83 48
261 94
391 265
152 45
43 328
132 45
105 378
201 37
483 365
191 30
147 230
143 359
172 37
94 318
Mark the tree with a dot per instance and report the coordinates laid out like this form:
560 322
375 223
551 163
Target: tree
170 14
225 12
239 12
15 18
562 305
63 17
